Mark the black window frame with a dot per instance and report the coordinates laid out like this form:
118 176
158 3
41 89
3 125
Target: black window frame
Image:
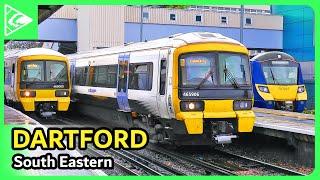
81 77
246 22
107 83
197 20
149 75
145 15
216 61
163 76
172 17
224 19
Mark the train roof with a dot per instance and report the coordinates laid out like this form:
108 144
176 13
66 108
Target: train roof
32 52
175 40
273 55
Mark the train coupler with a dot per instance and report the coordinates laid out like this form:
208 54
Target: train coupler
47 114
223 138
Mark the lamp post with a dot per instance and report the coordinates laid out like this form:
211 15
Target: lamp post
141 22
241 23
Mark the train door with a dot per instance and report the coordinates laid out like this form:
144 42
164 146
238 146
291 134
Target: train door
161 95
122 83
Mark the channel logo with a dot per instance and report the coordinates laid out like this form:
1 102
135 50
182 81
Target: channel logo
14 20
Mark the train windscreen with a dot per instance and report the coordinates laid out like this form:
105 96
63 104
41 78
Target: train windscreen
207 70
280 72
44 74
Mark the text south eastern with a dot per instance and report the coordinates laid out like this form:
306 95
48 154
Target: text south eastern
63 161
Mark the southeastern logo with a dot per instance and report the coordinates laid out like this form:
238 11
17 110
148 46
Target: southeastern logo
14 20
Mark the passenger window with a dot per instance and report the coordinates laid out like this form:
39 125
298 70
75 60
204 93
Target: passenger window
7 76
140 77
111 78
163 76
81 76
104 76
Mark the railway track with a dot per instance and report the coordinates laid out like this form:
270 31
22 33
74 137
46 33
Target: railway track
137 163
208 167
262 164
148 160
121 167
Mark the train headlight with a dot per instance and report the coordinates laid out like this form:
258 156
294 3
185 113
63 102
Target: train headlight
242 105
301 89
28 93
62 93
191 106
264 89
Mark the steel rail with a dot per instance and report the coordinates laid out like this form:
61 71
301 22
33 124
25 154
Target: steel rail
206 165
118 165
265 164
135 162
155 162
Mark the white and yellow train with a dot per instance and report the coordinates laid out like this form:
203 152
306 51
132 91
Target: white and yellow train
37 80
192 88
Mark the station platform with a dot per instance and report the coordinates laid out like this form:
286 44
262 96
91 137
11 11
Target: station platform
285 121
15 117
296 129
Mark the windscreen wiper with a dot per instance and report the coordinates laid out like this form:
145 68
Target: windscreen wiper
231 78
210 73
272 75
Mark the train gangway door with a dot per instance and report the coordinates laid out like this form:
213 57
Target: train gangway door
122 83
162 94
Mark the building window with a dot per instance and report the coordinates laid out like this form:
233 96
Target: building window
145 15
172 17
198 18
248 21
224 19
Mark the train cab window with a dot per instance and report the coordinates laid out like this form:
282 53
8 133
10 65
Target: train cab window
233 69
163 76
32 71
198 70
140 77
280 72
56 71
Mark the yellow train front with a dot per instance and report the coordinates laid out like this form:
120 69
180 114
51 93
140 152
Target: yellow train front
37 80
212 92
278 82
